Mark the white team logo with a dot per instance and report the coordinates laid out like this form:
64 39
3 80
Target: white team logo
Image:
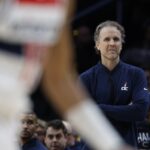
145 89
124 87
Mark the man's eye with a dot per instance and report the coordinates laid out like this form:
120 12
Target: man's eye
50 136
58 136
29 122
107 39
116 39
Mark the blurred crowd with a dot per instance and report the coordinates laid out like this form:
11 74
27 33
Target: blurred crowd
57 134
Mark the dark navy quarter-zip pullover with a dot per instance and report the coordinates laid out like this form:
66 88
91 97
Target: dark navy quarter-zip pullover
121 94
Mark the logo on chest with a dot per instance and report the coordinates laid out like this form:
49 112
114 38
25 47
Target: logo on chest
124 87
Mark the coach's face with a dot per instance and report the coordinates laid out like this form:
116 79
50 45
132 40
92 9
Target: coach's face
109 43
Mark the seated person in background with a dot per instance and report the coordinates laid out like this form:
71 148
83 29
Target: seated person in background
74 141
56 135
143 133
143 127
41 130
27 135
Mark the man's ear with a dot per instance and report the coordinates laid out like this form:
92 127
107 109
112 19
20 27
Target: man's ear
97 46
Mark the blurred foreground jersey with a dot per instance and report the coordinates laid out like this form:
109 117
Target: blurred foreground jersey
40 1
31 21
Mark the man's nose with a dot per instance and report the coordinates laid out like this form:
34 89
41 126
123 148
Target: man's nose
54 139
111 42
25 125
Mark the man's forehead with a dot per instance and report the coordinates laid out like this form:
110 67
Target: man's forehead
51 130
28 117
110 30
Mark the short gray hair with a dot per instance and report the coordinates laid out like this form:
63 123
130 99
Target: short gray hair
106 24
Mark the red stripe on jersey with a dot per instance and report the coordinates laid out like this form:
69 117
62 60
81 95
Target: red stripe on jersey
34 52
42 2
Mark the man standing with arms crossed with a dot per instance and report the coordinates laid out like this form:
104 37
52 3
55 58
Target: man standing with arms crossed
119 89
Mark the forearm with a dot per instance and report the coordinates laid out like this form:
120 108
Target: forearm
59 74
133 112
64 93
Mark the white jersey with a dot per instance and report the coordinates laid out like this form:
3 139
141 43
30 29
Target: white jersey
8 130
32 21
26 22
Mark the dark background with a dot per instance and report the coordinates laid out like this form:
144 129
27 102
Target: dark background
132 14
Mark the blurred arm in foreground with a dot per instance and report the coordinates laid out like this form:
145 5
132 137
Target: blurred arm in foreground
70 97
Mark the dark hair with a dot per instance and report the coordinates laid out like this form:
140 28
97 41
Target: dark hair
57 124
33 115
108 23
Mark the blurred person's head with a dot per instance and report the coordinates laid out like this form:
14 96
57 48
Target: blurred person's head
29 124
71 134
83 34
56 135
41 130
